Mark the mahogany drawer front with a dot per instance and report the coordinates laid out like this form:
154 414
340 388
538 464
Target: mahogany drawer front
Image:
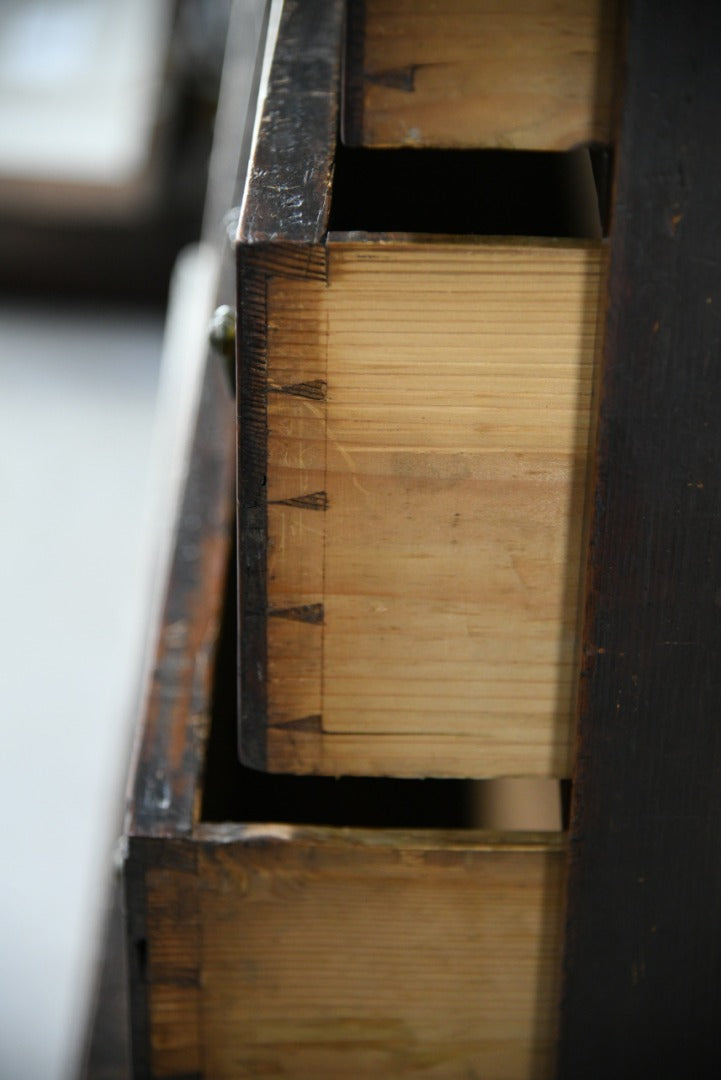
522 75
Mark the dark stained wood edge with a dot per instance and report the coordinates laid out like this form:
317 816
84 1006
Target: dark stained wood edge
137 957
258 264
287 193
252 510
642 967
282 227
281 232
353 84
171 755
148 853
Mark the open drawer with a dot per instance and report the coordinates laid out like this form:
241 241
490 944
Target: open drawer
417 333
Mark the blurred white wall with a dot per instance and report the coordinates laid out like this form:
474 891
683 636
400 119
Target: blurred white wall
77 406
81 89
81 94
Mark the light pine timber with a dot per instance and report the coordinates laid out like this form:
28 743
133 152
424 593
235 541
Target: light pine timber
451 453
524 74
325 953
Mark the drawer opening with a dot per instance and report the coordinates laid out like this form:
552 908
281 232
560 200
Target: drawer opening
232 792
472 192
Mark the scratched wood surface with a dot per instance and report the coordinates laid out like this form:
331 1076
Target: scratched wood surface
428 408
524 75
276 951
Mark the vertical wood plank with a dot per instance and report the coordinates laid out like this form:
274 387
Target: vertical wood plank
164 943
170 752
642 990
282 225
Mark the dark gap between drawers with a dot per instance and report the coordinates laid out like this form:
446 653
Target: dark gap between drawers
234 792
472 192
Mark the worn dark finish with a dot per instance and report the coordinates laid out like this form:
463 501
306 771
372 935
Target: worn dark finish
171 756
252 513
282 225
145 968
353 69
291 165
643 949
137 962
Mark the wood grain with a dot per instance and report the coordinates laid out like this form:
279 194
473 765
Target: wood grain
297 123
643 979
282 222
442 561
322 953
526 75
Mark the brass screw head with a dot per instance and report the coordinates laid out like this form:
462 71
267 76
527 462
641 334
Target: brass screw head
221 332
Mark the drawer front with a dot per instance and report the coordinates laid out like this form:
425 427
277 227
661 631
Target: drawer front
426 408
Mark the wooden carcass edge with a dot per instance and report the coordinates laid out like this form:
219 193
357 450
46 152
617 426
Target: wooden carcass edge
642 992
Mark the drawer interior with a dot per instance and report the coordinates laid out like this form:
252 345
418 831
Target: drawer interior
472 192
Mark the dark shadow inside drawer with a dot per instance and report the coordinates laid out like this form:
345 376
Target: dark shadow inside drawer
472 192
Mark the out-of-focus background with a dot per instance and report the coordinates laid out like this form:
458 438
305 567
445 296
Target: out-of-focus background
106 120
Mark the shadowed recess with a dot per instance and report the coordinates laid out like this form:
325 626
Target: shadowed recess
471 192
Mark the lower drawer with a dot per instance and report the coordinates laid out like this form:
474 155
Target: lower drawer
271 951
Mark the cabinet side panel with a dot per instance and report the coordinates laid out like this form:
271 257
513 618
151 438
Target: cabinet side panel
643 938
